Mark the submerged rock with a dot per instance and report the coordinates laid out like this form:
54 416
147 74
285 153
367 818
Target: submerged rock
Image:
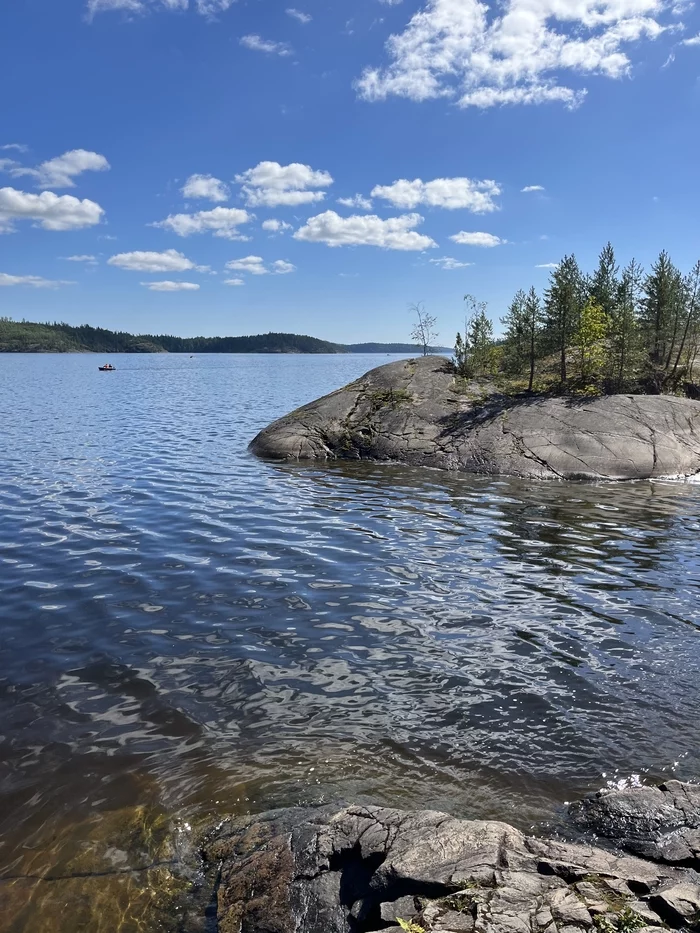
661 823
418 412
366 869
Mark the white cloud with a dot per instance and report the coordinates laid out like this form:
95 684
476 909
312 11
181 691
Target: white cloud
528 188
6 165
220 221
515 55
450 193
35 281
234 281
251 264
270 184
18 147
465 238
547 265
276 226
171 286
258 44
282 267
365 230
205 186
297 14
50 211
205 7
364 204
61 171
148 261
447 262
91 260
694 40
254 265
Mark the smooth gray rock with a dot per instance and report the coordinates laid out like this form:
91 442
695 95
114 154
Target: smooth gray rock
661 823
417 412
364 868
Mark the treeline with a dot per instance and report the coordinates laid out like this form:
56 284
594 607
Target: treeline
29 337
613 330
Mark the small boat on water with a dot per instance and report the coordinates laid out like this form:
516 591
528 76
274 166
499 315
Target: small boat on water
107 368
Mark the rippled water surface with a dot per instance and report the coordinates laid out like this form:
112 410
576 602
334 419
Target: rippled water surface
187 632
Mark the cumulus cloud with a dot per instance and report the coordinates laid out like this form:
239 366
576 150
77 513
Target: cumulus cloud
91 260
254 265
276 226
35 281
516 55
365 230
282 267
298 15
547 265
148 261
528 188
234 281
62 171
450 193
364 204
205 186
270 184
693 40
447 262
220 221
168 286
50 211
465 238
258 44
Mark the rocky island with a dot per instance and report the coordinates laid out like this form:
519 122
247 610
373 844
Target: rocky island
633 866
420 412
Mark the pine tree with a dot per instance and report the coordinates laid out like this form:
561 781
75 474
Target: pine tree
661 310
604 284
563 301
480 342
623 329
515 348
688 342
532 319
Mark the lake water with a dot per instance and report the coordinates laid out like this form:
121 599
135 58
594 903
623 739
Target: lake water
186 631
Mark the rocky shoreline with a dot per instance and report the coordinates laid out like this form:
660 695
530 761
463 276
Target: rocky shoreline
418 412
633 866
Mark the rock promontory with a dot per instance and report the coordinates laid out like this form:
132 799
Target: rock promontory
367 869
418 412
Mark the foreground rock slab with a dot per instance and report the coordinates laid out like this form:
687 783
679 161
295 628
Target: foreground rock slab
417 412
366 869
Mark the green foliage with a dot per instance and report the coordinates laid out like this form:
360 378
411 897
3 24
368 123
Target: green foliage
409 927
626 921
588 340
563 302
475 353
523 334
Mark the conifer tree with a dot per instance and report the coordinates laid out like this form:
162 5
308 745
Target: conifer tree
661 309
623 329
604 283
532 319
515 349
563 301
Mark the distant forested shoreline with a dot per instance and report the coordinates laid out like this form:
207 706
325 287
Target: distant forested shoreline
29 337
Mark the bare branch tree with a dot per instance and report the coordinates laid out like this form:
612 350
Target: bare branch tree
423 333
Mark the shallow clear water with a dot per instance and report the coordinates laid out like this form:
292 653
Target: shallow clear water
186 631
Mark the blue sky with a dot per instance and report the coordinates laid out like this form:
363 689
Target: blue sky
157 140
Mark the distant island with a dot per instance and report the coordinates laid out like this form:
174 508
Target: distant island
28 337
